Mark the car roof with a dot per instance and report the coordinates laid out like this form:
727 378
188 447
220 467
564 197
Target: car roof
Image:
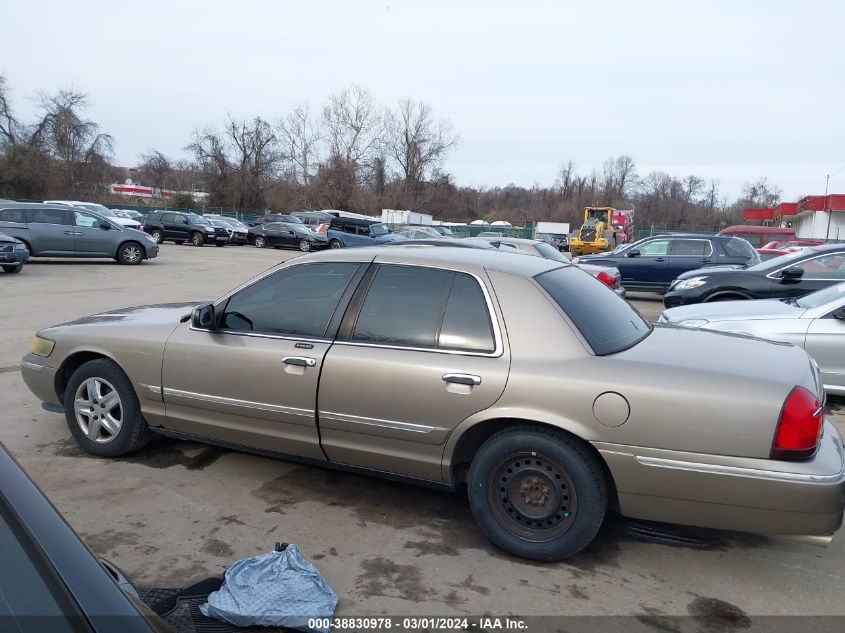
507 240
467 259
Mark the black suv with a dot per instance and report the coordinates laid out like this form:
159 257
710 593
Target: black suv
182 227
653 263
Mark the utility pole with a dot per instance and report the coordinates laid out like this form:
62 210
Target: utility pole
824 207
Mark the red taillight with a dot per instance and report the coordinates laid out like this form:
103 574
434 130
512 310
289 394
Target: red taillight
799 427
323 228
607 280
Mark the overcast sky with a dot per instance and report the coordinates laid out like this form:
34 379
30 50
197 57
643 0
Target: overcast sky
728 90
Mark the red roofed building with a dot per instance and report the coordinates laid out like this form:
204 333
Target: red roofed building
820 217
765 215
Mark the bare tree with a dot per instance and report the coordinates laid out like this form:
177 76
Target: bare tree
10 129
299 135
711 197
416 141
156 168
72 141
565 179
760 194
353 126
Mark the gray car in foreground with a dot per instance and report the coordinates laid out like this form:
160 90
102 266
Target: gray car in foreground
541 390
63 231
815 322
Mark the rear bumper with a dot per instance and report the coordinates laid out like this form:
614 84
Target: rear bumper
728 493
40 378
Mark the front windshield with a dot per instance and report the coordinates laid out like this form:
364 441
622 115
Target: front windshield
100 209
778 262
821 297
378 229
195 219
550 252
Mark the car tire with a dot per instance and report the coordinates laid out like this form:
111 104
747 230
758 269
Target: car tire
158 236
94 382
197 239
538 493
130 254
305 246
335 243
13 269
260 242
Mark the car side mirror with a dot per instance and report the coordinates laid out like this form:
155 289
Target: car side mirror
634 253
839 314
202 318
792 273
105 226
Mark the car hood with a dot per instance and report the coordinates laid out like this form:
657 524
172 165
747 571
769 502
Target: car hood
722 269
5 239
132 224
159 314
733 311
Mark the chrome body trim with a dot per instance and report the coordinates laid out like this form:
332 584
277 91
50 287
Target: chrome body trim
233 402
388 424
736 471
155 389
32 366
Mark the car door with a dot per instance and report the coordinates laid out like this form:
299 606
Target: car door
686 254
645 266
91 240
272 233
826 344
52 231
419 352
176 227
819 272
252 378
287 237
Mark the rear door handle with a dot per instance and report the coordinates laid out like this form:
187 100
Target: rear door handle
706 260
462 379
660 259
300 361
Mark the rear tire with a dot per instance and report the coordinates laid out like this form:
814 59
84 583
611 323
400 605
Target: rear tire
130 254
133 431
197 239
335 243
538 493
158 236
13 269
260 242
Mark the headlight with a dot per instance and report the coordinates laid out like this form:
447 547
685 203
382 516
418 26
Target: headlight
20 246
575 260
689 284
694 323
42 346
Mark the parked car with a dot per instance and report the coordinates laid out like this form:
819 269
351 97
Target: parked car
445 231
296 235
237 229
543 391
313 219
759 235
791 245
131 214
103 210
560 242
608 275
287 218
793 275
418 233
490 234
815 322
651 264
13 254
181 227
63 231
346 232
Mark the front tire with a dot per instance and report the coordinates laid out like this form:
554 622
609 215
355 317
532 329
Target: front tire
197 239
102 410
130 254
260 242
538 493
304 246
335 243
158 236
13 269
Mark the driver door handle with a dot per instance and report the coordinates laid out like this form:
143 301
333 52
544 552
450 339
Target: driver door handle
300 361
660 259
462 379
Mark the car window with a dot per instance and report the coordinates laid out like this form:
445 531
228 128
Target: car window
50 216
691 247
754 240
655 248
738 247
466 321
824 267
606 321
296 301
30 590
404 306
13 215
80 218
550 252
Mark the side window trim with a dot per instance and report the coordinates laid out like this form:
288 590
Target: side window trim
774 273
350 319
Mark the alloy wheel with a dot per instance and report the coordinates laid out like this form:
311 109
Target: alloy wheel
304 246
197 239
259 242
132 254
98 410
156 235
532 497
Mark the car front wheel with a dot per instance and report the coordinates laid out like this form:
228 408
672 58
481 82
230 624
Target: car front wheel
304 246
13 269
537 492
197 239
130 253
260 242
335 244
102 410
158 236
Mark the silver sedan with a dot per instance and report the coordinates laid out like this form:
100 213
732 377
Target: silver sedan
815 322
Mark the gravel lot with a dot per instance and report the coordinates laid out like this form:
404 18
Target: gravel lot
177 512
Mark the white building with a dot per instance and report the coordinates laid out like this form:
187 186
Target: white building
815 217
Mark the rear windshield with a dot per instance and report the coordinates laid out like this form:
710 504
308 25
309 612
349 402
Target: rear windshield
550 252
739 247
606 321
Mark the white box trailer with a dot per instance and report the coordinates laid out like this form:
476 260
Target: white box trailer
395 216
551 228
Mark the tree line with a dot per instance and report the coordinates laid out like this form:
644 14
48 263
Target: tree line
350 153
